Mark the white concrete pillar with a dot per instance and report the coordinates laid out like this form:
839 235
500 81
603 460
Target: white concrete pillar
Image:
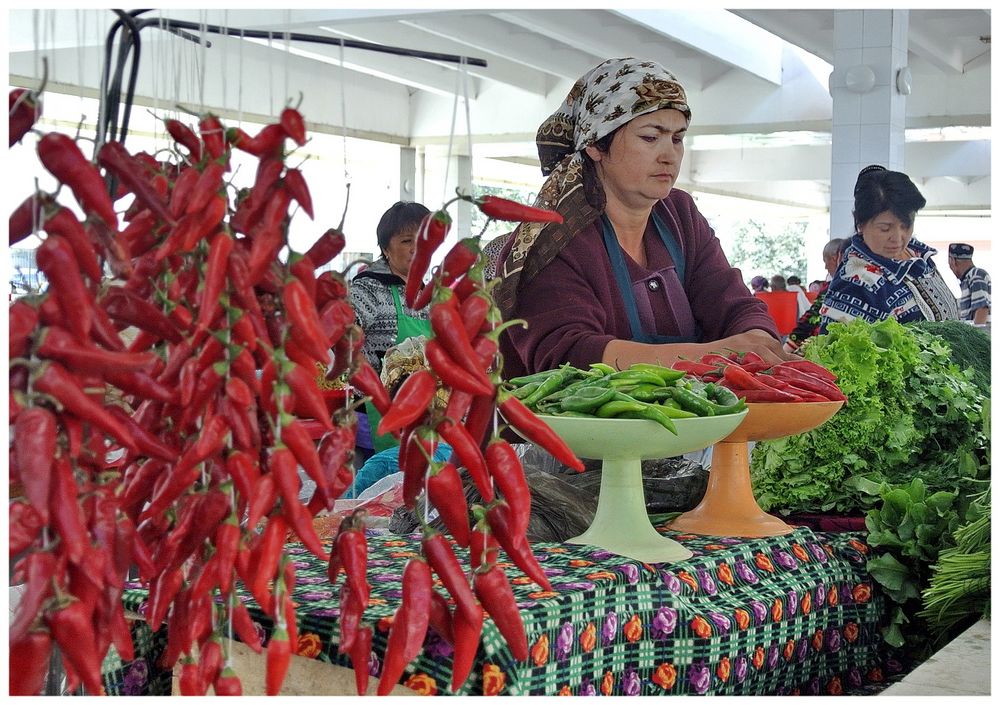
407 173
869 112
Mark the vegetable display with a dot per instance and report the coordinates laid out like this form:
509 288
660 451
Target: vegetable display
642 391
160 419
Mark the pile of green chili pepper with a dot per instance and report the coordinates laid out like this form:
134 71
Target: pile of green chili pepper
643 391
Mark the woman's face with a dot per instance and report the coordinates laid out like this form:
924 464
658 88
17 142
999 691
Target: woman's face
886 235
644 159
399 253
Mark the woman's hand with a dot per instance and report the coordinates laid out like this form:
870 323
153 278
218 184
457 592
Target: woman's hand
758 341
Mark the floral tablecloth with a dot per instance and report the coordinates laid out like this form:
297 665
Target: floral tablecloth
782 615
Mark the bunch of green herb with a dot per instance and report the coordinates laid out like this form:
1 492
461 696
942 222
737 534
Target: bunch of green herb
910 411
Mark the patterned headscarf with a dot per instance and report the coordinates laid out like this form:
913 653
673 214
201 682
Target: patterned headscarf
605 98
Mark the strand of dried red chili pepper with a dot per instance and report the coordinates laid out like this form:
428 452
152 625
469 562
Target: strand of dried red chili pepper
115 158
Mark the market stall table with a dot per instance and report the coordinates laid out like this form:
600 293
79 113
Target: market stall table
775 615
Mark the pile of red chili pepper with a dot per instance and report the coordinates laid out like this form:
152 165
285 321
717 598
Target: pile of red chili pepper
462 358
754 380
160 417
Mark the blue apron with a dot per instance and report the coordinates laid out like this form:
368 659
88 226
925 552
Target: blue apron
670 279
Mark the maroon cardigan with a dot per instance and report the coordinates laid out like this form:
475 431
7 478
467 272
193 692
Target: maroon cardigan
574 309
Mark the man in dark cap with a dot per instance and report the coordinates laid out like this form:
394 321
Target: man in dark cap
974 304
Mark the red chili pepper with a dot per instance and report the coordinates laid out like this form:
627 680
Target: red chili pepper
351 553
498 515
742 379
445 492
449 331
34 441
278 654
349 620
300 442
494 592
141 385
73 631
55 257
22 320
53 379
63 223
62 157
766 395
210 660
267 242
209 382
409 625
128 309
716 360
38 570
414 457
243 625
456 263
506 209
327 246
412 399
29 660
443 561
810 367
215 278
228 683
330 286
536 430
433 230
473 311
161 593
189 681
195 227
25 527
283 466
115 158
366 379
305 390
209 184
185 136
467 630
506 470
299 190
335 317
808 381
213 136
301 310
468 453
480 417
58 343
23 110
360 654
27 217
451 373
293 125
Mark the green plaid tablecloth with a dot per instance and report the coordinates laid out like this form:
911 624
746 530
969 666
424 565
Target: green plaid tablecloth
781 615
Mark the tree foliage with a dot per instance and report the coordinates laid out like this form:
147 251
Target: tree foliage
770 248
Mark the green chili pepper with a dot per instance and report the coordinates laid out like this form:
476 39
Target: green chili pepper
675 412
603 368
625 377
693 402
587 399
667 374
572 388
537 377
546 387
646 392
616 407
571 414
525 390
655 413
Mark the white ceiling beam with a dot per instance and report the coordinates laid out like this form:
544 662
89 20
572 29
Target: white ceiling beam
945 56
720 34
523 47
420 75
395 34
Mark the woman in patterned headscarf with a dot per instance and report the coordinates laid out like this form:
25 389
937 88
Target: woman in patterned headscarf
634 273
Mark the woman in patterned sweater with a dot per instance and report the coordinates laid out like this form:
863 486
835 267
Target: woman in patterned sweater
887 272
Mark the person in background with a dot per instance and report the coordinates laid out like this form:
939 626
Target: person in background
635 272
887 272
974 304
778 283
817 285
759 283
794 284
808 323
376 295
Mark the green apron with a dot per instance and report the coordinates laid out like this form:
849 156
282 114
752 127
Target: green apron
406 327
